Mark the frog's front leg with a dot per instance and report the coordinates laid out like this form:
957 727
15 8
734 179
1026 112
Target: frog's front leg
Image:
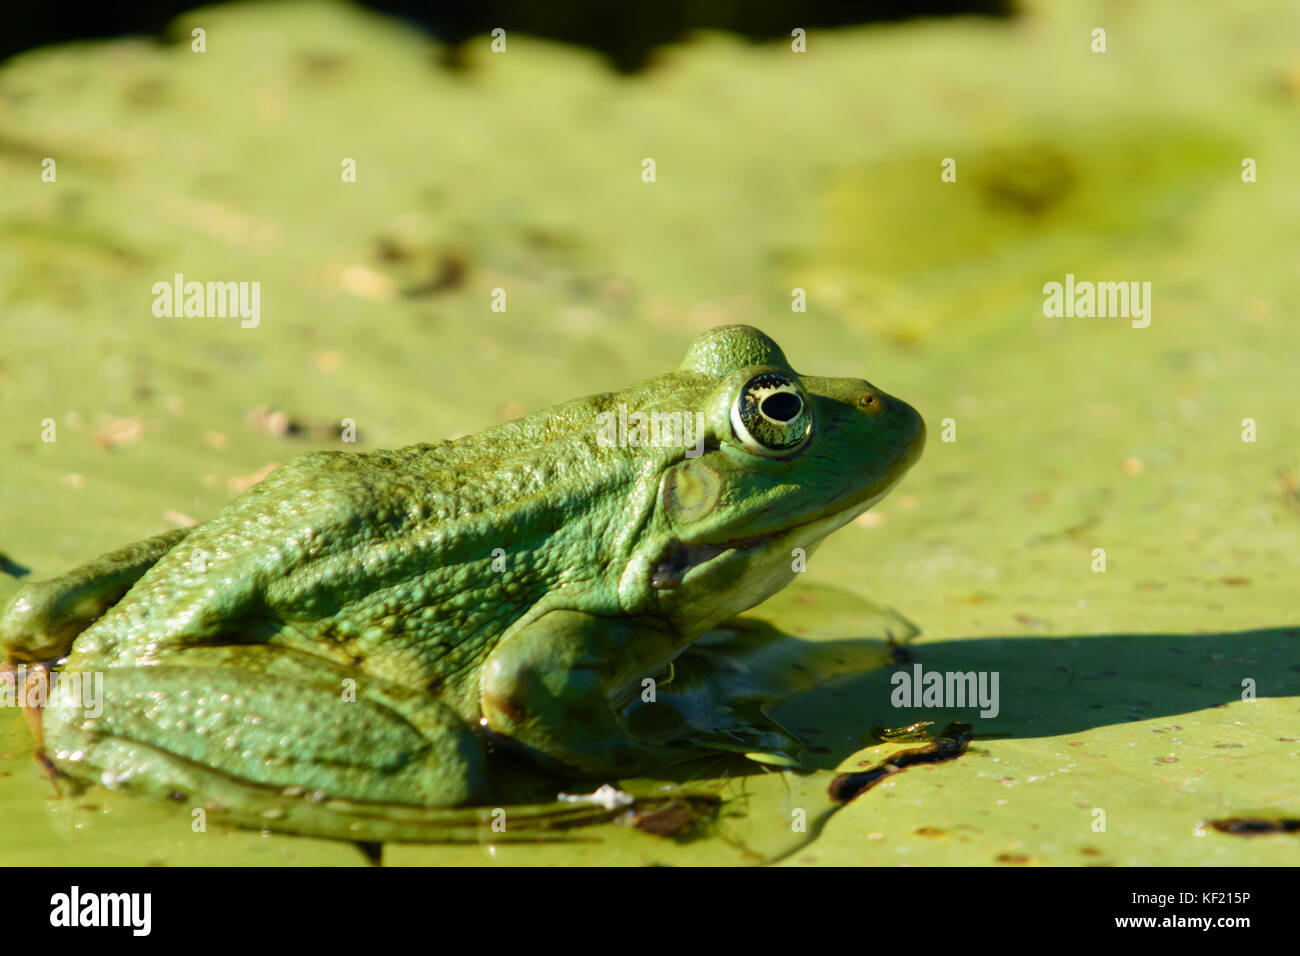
556 688
44 617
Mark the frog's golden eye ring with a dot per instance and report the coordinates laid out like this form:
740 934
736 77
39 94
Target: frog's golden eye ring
772 415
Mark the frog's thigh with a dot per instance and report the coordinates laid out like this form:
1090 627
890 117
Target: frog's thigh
262 717
549 688
44 617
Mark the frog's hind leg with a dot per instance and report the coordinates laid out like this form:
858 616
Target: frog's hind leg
266 736
44 617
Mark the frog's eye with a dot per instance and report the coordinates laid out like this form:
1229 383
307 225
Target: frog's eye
771 415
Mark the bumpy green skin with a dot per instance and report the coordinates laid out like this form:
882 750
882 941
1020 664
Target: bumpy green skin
356 624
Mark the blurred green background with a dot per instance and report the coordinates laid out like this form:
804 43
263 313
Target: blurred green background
775 170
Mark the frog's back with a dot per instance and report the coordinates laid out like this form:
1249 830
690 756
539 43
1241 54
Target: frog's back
386 559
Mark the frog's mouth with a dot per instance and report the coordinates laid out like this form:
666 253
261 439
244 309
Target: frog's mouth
682 557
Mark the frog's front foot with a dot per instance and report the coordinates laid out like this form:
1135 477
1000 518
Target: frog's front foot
550 691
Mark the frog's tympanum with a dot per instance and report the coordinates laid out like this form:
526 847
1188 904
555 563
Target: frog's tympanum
367 626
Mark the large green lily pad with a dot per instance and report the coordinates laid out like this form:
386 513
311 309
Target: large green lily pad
1123 691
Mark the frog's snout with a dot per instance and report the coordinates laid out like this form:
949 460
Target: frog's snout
912 419
907 424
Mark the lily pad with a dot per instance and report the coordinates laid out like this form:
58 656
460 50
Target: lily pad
1106 515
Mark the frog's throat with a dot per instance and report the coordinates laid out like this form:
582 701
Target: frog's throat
681 558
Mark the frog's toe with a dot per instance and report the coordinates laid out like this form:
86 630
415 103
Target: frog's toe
34 628
44 617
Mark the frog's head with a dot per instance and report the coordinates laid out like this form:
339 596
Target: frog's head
787 459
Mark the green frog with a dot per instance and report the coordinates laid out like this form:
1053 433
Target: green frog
366 627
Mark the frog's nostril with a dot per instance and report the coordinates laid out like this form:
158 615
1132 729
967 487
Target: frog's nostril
869 403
